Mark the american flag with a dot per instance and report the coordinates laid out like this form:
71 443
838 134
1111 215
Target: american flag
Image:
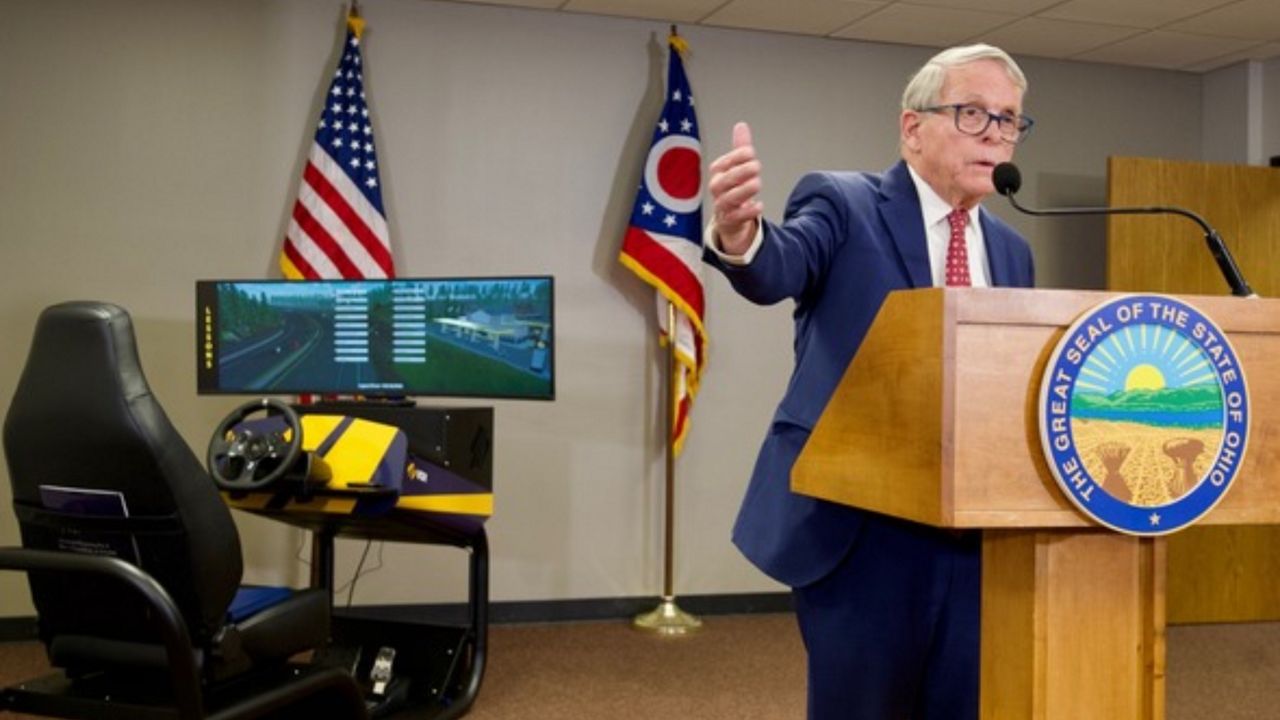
338 228
663 240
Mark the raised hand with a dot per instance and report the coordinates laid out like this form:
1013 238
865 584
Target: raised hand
734 185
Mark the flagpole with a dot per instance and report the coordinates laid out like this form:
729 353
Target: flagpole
668 618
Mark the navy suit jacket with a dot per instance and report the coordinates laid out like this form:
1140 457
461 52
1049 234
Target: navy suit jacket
847 240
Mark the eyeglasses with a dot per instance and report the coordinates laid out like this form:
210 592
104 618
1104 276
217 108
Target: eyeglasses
975 119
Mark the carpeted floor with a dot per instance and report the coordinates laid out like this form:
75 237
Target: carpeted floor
752 666
735 667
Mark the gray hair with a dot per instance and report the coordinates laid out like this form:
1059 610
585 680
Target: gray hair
925 86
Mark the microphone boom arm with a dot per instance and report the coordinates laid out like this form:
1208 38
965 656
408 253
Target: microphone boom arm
1217 248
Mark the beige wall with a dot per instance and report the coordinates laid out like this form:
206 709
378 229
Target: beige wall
1270 108
1234 136
144 145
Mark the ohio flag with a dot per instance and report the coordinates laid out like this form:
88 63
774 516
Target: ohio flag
338 228
663 242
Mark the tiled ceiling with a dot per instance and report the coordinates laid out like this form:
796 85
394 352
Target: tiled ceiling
1191 35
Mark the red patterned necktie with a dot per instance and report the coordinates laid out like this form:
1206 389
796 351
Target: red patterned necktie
957 251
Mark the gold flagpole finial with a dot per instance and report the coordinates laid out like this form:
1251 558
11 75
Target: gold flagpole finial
354 21
677 42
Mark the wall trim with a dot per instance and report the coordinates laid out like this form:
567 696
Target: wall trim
15 629
549 611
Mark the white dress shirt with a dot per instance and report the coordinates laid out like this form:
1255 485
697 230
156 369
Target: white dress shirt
934 211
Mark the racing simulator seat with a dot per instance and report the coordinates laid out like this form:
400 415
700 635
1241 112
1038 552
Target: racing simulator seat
132 557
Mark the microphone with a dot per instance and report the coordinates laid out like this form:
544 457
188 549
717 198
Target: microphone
1008 180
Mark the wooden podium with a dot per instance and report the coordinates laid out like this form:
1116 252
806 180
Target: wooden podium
935 422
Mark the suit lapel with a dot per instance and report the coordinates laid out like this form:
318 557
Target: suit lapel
900 210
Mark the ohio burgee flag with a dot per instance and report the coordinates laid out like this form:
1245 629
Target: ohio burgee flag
663 239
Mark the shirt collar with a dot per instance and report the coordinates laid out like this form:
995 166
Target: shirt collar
933 208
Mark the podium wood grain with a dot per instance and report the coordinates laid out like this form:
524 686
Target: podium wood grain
935 421
1216 573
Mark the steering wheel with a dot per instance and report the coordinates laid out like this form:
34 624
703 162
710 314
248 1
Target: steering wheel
252 455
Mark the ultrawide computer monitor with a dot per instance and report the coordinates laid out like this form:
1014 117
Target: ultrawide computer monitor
487 337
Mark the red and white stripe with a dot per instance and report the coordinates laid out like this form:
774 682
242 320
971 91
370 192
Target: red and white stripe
334 231
673 265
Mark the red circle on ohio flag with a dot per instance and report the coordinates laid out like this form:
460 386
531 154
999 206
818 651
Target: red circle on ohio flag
680 172
673 173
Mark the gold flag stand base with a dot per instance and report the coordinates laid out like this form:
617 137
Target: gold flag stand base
667 619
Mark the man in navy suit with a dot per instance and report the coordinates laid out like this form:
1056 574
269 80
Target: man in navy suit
888 609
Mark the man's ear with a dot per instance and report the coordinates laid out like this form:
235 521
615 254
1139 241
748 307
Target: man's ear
909 129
